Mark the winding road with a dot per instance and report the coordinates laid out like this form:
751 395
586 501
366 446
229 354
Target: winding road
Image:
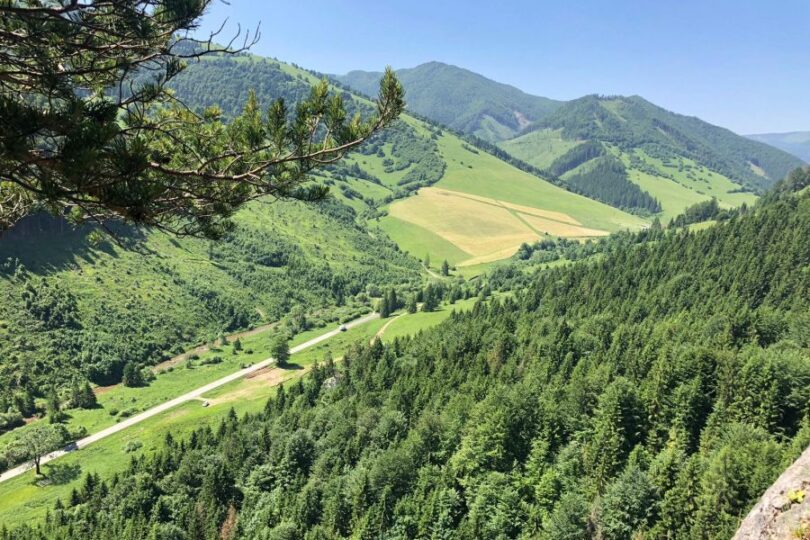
166 405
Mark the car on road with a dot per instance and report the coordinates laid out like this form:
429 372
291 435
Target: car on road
342 328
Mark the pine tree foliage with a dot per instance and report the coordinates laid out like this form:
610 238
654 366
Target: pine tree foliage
91 130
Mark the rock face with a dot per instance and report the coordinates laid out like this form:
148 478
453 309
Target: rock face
783 512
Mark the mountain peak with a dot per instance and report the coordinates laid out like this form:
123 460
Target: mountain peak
462 99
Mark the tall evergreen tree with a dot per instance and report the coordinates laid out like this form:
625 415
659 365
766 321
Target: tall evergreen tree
281 350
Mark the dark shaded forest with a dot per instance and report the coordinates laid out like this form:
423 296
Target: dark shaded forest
605 179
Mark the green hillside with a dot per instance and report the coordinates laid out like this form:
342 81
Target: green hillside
634 123
796 142
482 209
670 160
676 160
463 100
81 307
654 394
380 179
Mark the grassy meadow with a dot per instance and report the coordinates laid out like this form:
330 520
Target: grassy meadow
483 209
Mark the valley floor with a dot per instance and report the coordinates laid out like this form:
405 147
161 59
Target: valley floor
24 497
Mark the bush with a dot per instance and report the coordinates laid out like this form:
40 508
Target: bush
133 376
147 375
211 360
132 446
78 432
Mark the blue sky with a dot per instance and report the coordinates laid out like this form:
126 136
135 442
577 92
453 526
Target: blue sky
742 64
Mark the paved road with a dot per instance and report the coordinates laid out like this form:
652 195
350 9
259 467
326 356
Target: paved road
165 406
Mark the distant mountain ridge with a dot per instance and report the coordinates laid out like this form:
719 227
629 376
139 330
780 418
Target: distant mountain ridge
794 142
634 123
489 205
639 156
461 99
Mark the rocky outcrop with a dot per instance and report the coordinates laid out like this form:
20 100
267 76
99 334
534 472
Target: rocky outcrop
783 512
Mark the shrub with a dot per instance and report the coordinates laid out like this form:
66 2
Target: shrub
132 446
211 360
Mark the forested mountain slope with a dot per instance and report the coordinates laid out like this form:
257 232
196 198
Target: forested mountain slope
461 99
678 160
641 157
654 392
632 122
796 142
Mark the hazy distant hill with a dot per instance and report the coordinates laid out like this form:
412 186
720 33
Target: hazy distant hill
795 142
463 100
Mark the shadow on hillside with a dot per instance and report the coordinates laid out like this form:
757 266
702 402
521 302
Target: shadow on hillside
44 243
291 366
60 473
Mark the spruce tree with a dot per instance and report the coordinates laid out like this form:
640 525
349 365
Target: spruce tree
393 301
383 308
281 350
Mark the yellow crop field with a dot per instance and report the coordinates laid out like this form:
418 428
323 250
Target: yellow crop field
486 229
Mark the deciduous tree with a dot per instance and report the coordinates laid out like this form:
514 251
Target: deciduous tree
36 442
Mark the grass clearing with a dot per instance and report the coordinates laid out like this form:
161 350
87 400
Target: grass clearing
419 241
678 187
474 227
486 176
539 148
557 228
411 324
